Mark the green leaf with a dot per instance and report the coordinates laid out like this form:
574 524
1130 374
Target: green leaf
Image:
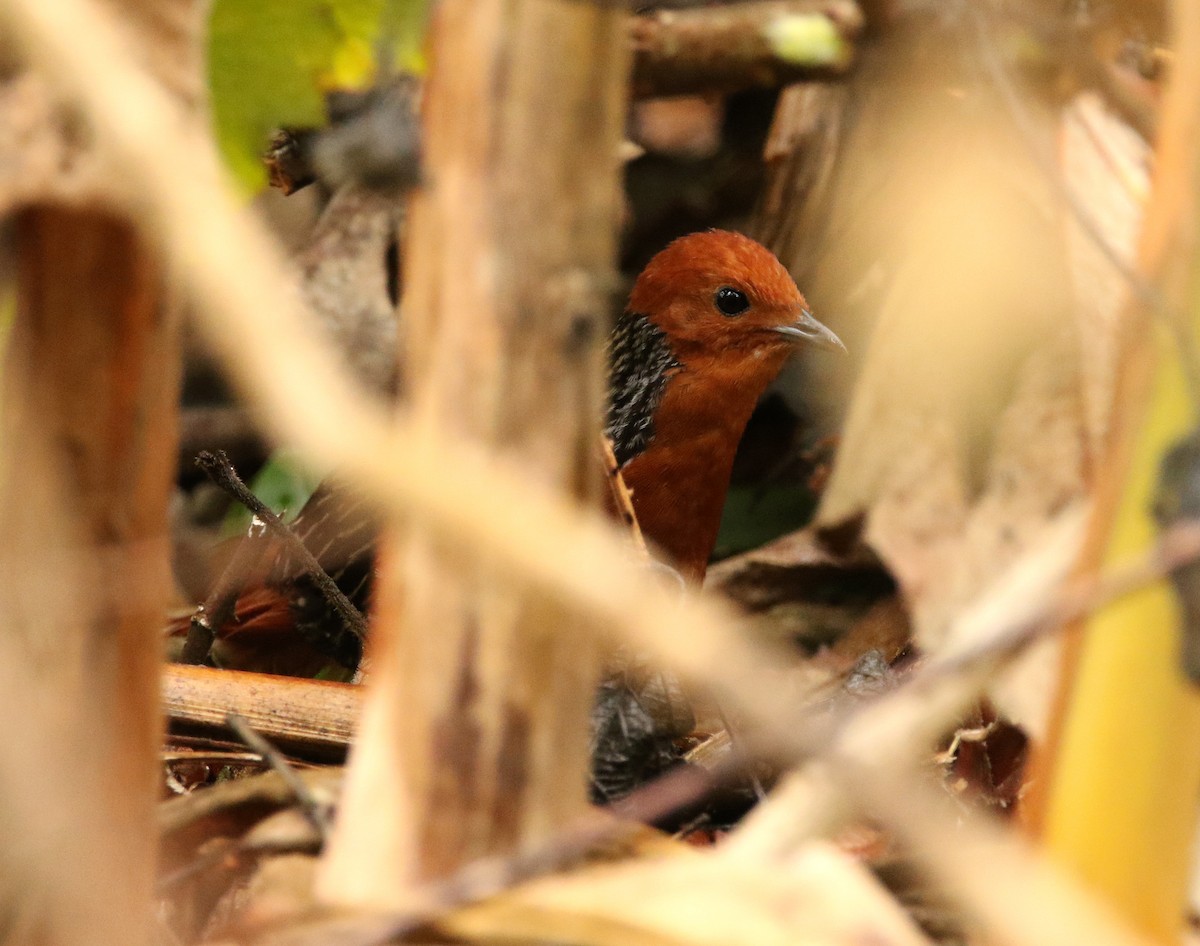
753 516
807 39
335 672
271 62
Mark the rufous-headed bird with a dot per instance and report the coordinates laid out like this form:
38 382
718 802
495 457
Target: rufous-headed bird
709 324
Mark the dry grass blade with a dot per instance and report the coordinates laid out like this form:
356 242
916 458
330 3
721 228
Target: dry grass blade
823 897
1017 895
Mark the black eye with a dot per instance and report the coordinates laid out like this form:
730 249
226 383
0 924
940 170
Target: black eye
731 301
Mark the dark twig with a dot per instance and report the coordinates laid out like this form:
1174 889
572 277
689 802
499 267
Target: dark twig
289 160
726 48
221 471
316 813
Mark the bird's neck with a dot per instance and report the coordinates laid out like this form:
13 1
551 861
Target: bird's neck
711 397
641 363
682 457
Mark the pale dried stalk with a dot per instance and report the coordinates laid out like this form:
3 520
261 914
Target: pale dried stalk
1018 896
474 739
83 577
87 469
1015 894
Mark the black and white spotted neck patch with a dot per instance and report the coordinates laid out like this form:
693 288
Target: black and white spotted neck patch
640 364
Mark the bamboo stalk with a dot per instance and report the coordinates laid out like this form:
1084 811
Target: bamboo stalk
474 737
89 443
310 716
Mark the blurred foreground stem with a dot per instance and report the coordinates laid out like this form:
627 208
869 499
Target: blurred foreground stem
1117 799
474 739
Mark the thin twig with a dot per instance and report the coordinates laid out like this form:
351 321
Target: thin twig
221 472
1176 547
621 495
316 813
729 47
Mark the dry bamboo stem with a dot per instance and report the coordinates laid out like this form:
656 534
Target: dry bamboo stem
88 435
314 717
90 450
474 739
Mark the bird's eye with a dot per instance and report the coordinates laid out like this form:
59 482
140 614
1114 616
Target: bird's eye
731 301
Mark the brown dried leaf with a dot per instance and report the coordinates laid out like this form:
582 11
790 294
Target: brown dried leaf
797 589
980 398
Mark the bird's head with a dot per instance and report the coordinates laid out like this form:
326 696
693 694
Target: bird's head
722 294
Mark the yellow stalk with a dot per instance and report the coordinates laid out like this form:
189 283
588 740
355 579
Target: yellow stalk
1122 806
1120 793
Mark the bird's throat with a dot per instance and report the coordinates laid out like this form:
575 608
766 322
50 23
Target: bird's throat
680 478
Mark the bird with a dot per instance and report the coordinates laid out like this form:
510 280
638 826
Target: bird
709 323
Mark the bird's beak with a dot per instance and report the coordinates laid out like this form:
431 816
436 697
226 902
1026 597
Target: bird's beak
808 329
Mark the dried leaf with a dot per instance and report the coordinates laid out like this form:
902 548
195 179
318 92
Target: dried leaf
821 897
